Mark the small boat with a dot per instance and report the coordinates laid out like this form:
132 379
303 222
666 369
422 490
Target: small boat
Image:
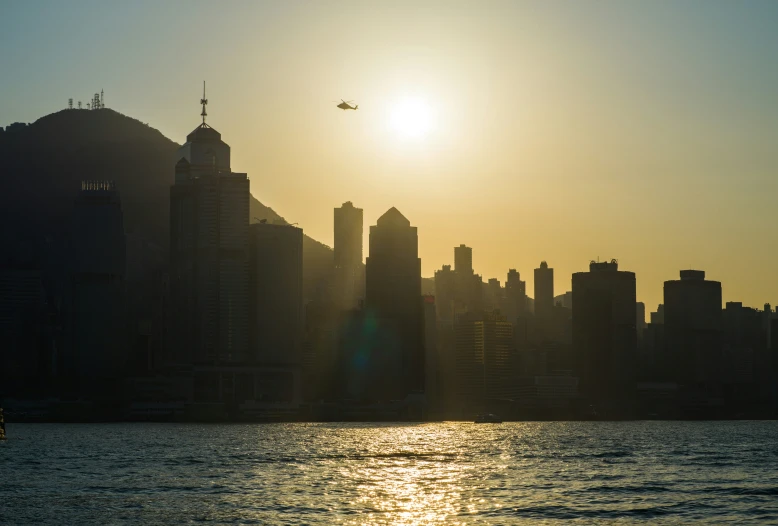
488 419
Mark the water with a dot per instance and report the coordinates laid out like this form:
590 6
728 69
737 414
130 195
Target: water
450 473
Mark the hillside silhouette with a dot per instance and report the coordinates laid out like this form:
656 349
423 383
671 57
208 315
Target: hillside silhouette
45 162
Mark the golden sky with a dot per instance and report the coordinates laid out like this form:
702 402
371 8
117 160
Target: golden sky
558 131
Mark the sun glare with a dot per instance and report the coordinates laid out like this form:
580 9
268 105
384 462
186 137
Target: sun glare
411 118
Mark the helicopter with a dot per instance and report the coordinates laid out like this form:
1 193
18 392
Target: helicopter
347 105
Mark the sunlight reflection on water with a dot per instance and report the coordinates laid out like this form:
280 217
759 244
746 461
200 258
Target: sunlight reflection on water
449 473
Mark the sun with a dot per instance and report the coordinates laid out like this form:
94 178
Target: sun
411 118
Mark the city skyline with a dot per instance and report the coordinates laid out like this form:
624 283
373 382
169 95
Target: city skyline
411 261
689 186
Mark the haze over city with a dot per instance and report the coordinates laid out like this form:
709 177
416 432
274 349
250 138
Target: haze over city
402 262
529 131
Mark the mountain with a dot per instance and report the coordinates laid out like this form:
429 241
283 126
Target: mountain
42 166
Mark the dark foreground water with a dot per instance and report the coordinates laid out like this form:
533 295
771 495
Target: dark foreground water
451 473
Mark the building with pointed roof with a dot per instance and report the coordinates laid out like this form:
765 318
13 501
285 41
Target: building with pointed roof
209 221
393 297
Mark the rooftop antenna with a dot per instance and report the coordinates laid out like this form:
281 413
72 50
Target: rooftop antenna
204 101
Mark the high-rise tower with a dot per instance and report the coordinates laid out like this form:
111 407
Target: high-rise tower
209 220
96 346
276 285
393 296
604 336
348 255
693 323
463 259
544 291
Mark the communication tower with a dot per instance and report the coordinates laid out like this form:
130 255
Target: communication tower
79 105
102 98
70 104
89 105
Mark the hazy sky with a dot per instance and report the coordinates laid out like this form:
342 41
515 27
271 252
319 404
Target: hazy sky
564 131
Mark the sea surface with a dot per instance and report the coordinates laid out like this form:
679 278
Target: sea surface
444 473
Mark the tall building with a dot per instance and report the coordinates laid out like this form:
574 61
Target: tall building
692 323
604 336
658 316
276 290
97 337
348 255
22 309
516 292
544 291
432 370
463 259
393 296
469 285
493 295
640 317
209 245
485 360
445 293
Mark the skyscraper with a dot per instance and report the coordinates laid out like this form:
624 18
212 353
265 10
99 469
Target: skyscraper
485 360
393 295
445 293
469 285
276 289
463 259
544 291
516 292
96 343
348 255
209 221
693 323
604 336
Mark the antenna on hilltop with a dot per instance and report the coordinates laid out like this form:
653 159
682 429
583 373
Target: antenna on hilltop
79 105
204 102
70 104
102 98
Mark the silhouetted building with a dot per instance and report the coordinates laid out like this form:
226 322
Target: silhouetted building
276 289
516 292
548 395
348 255
485 361
604 337
432 382
493 295
393 296
640 318
320 359
97 336
23 350
565 300
209 245
692 323
463 259
445 293
640 315
746 361
460 290
544 291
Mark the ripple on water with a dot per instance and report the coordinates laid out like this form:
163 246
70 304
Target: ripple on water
449 473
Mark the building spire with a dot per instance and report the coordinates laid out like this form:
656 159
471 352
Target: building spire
204 101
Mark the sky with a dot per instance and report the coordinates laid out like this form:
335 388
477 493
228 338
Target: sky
558 131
